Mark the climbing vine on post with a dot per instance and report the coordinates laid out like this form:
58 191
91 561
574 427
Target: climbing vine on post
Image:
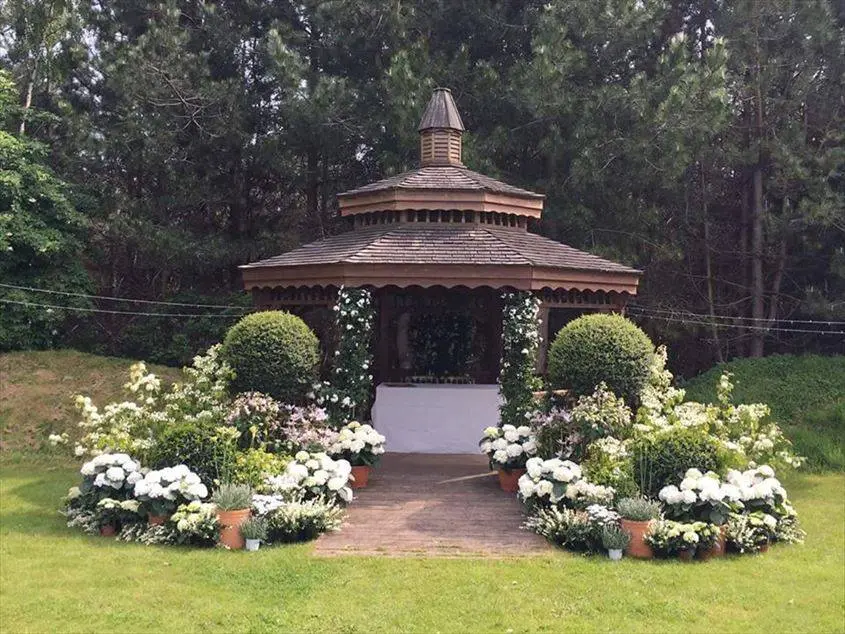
348 393
520 340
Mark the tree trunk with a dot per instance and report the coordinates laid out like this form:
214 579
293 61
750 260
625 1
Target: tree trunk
757 211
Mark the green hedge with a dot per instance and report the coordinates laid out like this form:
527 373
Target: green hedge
601 347
272 352
663 460
195 445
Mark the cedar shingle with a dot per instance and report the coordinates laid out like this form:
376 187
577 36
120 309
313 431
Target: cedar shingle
425 243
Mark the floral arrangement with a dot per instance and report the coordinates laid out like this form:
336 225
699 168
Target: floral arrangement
701 496
116 512
303 520
751 532
351 384
568 433
113 475
508 447
161 491
195 523
357 444
133 426
668 537
520 340
314 476
556 481
575 530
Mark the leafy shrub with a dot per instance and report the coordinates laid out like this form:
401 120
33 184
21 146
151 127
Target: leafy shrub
254 528
608 464
614 538
601 347
254 466
272 352
567 434
300 521
200 446
232 497
563 527
663 458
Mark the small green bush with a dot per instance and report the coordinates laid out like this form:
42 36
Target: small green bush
601 347
272 352
198 446
232 497
253 466
638 509
663 459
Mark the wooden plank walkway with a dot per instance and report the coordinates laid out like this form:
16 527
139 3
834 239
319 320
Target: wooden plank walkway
433 504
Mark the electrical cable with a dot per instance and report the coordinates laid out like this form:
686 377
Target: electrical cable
115 312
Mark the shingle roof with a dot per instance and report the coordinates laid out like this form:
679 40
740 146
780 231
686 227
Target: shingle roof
425 243
442 177
441 112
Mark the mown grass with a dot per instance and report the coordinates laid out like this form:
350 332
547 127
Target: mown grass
53 579
806 394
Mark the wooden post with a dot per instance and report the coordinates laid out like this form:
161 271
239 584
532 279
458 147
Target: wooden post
543 327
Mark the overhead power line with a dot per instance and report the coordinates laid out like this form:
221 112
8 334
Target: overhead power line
680 311
115 312
704 320
121 299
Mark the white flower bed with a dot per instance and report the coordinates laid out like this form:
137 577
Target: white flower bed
314 475
116 471
173 484
560 481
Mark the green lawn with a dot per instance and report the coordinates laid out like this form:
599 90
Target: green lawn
54 579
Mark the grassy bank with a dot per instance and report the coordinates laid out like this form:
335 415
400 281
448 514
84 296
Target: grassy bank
806 394
37 388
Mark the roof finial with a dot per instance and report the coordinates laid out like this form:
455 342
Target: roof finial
440 130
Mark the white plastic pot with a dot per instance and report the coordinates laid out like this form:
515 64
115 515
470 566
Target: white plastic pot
252 544
614 554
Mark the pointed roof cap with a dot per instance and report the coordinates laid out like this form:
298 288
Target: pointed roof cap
441 113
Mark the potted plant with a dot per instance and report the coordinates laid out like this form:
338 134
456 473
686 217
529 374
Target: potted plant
637 514
508 448
709 538
254 531
615 540
362 446
233 502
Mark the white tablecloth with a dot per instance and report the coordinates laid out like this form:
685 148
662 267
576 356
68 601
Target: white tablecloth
424 418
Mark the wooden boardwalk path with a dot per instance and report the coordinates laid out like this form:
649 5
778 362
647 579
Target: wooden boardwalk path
433 504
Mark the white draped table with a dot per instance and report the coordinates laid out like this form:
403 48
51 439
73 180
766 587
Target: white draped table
434 418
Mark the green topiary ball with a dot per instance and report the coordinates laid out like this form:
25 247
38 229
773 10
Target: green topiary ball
601 347
272 352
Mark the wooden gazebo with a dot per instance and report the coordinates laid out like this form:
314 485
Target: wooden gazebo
440 240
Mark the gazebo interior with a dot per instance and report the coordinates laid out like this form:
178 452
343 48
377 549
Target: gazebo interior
438 246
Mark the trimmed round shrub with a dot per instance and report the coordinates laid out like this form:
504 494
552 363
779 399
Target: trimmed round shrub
601 347
664 459
272 352
198 446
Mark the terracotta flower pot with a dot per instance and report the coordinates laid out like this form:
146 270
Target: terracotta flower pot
686 554
509 480
765 547
361 475
157 520
637 548
718 549
108 530
230 527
